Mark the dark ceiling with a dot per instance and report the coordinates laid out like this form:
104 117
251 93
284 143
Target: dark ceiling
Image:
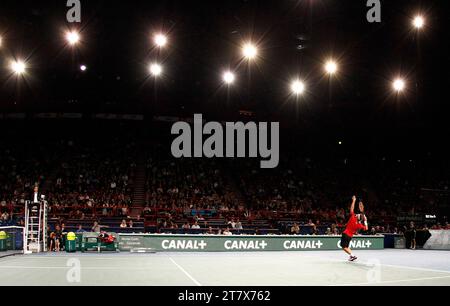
294 38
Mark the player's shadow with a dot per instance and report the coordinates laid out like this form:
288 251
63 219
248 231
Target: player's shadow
361 266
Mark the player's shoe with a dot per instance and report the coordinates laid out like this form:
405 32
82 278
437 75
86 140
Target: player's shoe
352 258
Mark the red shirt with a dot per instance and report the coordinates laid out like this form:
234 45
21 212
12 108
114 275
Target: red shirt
353 226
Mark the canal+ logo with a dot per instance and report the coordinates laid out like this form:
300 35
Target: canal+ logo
302 244
245 245
184 244
358 244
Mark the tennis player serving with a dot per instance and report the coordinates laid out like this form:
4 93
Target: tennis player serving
355 223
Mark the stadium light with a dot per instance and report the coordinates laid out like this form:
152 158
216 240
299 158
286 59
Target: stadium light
83 68
399 85
331 67
155 69
229 77
249 51
418 22
160 40
72 37
297 87
18 67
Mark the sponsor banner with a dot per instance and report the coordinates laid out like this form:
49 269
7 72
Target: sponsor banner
72 115
58 115
197 243
399 243
106 116
133 117
14 116
46 115
167 119
173 119
439 240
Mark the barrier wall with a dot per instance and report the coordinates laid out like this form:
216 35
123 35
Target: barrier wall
439 240
220 243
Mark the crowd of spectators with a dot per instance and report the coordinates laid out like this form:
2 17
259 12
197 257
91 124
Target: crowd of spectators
93 180
22 166
187 185
87 180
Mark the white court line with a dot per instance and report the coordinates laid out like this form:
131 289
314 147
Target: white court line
65 257
393 281
32 268
184 271
83 268
367 264
407 267
320 257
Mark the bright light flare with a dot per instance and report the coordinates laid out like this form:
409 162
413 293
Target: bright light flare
297 87
418 22
229 77
331 67
399 85
83 68
155 69
160 40
73 38
18 67
249 51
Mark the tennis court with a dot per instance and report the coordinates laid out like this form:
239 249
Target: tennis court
327 268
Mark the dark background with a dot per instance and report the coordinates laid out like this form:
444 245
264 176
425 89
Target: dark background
358 107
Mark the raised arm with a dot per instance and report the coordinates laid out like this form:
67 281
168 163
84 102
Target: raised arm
352 207
361 209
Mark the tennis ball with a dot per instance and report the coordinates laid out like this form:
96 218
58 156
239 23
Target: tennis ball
71 236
